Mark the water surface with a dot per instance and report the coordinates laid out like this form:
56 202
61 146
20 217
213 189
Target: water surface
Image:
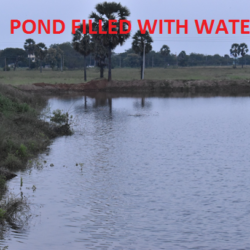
154 173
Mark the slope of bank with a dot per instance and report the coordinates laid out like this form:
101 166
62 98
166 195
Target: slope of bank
22 133
144 86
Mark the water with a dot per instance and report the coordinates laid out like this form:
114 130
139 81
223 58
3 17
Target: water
154 173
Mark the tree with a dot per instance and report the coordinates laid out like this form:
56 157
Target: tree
100 54
182 58
29 47
14 56
105 12
133 60
234 51
54 56
226 57
40 53
165 51
82 44
71 58
243 49
139 40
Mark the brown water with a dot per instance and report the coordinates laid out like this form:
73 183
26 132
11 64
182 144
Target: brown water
154 173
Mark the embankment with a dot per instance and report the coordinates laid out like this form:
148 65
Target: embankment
146 86
22 133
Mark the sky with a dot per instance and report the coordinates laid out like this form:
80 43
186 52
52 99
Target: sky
140 9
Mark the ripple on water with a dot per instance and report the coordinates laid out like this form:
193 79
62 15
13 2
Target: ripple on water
173 174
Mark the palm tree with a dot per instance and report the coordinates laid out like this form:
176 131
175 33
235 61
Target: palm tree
100 54
139 40
105 12
165 51
234 51
40 53
243 49
29 47
82 44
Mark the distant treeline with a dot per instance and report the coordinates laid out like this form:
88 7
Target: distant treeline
71 59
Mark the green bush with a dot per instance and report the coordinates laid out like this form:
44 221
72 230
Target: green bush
33 146
7 104
2 213
23 151
12 161
59 117
10 146
23 107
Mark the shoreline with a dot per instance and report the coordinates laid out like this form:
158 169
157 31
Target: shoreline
23 135
144 86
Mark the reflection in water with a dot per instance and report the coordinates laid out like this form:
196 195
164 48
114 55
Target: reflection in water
142 102
85 102
110 105
143 173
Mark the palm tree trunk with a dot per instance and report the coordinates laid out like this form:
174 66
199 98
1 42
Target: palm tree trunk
109 74
40 66
85 74
15 64
101 71
141 65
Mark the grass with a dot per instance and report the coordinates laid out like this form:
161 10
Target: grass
22 133
14 210
21 76
22 136
21 130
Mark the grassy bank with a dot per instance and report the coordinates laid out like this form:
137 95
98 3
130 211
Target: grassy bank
76 76
22 136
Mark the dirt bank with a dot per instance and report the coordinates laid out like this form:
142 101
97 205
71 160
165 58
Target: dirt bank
144 86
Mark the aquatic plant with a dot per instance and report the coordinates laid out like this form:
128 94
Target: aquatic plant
2 213
4 248
59 117
14 210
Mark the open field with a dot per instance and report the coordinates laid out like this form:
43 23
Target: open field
21 76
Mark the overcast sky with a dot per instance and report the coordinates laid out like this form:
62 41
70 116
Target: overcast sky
140 9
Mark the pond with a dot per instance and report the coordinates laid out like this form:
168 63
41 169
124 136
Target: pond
141 173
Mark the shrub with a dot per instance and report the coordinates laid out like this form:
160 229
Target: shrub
12 161
23 107
33 146
22 151
59 117
2 213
